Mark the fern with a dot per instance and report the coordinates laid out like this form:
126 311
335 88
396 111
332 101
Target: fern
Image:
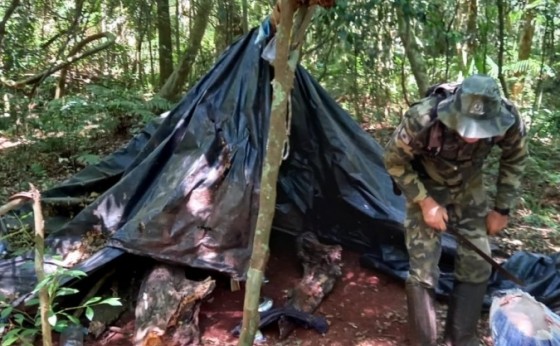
530 67
493 68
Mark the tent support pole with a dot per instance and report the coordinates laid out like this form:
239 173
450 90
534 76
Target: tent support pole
285 62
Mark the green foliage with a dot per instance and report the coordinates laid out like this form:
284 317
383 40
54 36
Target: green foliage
103 108
21 327
542 184
530 67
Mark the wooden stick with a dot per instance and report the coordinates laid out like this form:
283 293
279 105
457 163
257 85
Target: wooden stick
44 305
14 203
277 135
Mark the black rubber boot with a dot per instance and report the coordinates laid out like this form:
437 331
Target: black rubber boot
421 315
465 306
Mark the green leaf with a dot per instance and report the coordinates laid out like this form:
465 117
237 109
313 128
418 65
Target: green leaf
75 273
61 325
11 336
89 313
112 301
6 312
65 291
31 302
47 280
71 318
19 318
52 290
7 341
27 332
93 300
52 319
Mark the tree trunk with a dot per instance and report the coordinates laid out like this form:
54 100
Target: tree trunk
229 25
151 52
172 87
501 48
413 53
527 33
245 10
466 22
284 70
472 42
177 32
525 45
164 40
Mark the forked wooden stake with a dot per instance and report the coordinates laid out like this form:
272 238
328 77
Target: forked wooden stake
15 201
288 43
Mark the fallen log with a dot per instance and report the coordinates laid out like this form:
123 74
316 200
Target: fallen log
516 318
321 268
168 305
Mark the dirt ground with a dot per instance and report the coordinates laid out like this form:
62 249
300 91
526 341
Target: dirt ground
365 307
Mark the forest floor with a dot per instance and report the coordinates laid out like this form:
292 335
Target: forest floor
365 308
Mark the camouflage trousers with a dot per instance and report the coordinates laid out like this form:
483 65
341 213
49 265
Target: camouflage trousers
467 209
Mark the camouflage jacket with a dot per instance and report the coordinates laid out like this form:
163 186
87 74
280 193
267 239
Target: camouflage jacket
410 163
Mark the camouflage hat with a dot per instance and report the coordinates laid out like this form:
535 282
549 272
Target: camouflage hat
476 109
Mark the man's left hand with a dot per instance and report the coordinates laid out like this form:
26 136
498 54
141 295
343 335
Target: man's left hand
495 222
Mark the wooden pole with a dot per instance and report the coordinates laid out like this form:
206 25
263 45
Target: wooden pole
285 62
39 265
44 305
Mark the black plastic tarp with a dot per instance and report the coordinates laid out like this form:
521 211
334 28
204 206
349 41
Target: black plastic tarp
185 190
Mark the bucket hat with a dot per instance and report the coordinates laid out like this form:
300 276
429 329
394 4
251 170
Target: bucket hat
476 109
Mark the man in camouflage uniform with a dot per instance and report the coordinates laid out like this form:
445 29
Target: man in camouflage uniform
435 158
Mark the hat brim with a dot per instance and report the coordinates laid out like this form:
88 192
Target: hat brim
468 127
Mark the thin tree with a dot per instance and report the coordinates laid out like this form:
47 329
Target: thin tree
411 48
165 41
501 48
285 62
180 75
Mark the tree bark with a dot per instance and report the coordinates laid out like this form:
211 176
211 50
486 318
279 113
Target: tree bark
472 42
466 22
525 45
501 48
177 32
39 225
285 62
412 51
245 21
180 75
229 25
164 40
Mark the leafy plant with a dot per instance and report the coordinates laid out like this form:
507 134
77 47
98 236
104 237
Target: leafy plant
88 159
20 326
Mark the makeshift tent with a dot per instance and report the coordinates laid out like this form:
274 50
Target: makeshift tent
185 189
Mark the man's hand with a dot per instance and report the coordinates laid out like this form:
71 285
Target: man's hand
495 222
435 216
